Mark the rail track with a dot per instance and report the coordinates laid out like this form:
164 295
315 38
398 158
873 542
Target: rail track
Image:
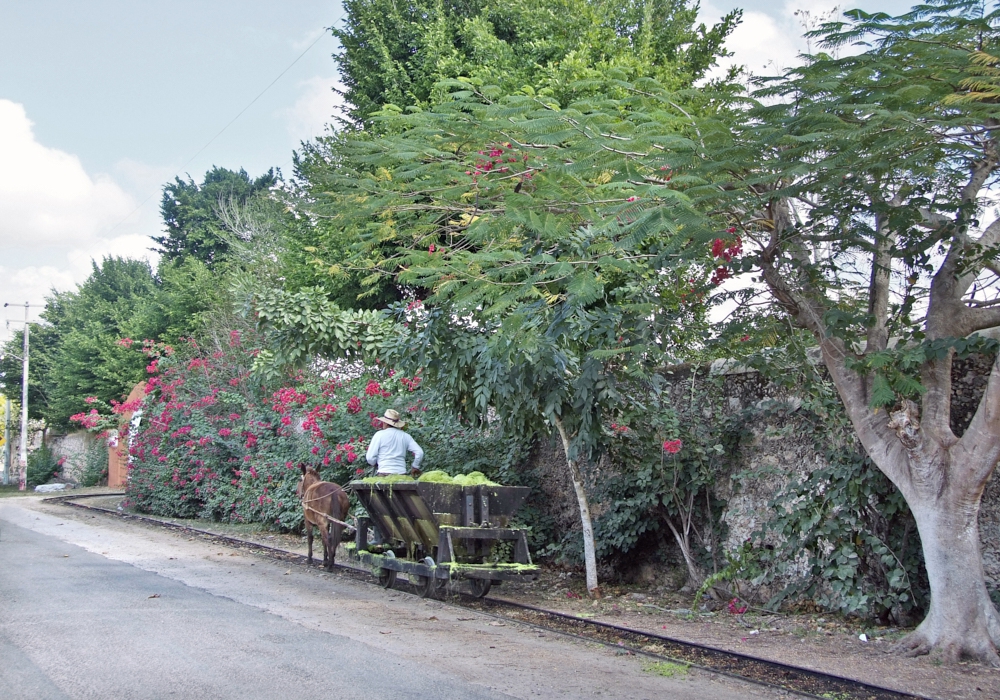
784 677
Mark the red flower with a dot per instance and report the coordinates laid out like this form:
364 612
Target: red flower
225 432
720 275
354 405
672 446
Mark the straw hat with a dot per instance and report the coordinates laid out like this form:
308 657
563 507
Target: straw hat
392 418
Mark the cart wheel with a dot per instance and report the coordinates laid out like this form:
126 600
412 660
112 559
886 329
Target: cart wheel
429 586
480 586
386 578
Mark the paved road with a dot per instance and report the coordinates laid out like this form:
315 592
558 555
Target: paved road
75 624
78 620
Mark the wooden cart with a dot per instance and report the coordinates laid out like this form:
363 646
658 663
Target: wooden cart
439 533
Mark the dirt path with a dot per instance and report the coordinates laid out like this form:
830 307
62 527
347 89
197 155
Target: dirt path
821 642
506 659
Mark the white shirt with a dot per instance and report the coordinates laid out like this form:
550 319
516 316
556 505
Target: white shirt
388 449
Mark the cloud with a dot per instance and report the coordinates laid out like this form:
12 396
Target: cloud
55 218
314 109
767 43
46 197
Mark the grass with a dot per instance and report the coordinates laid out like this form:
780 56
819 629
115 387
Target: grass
11 490
667 669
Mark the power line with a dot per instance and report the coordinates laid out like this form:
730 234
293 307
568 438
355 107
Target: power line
223 129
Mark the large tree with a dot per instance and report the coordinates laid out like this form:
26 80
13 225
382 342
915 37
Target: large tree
191 212
395 53
866 184
86 357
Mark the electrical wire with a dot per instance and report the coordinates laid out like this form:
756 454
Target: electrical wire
223 129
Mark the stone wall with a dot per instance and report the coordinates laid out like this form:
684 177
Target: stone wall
72 447
778 452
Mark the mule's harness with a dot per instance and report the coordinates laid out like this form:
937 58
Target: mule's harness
325 515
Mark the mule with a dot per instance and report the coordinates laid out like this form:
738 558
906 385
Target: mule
324 505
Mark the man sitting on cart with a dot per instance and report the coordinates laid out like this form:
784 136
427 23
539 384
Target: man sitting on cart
389 446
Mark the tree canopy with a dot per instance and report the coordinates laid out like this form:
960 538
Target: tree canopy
396 53
190 212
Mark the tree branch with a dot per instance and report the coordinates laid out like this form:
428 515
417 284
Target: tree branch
975 455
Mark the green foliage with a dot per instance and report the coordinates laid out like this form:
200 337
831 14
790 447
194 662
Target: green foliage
650 488
305 323
95 464
43 339
396 54
881 152
848 529
191 212
842 535
87 358
42 465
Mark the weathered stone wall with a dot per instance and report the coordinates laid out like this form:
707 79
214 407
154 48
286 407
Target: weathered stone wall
72 447
780 451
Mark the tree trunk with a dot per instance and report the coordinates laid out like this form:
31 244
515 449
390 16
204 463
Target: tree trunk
696 576
962 621
589 554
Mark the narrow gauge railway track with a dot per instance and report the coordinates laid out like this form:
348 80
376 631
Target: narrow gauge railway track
801 681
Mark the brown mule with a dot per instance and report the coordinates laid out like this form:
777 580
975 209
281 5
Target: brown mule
325 505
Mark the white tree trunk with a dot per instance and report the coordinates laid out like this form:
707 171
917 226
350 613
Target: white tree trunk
962 621
589 553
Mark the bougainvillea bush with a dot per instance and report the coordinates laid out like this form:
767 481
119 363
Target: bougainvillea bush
215 441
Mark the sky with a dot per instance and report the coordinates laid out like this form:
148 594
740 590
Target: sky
103 102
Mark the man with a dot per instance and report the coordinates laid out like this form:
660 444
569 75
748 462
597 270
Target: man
389 446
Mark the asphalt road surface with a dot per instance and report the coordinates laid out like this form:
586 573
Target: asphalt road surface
101 608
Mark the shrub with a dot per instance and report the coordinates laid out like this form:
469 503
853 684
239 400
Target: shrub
219 442
42 465
95 464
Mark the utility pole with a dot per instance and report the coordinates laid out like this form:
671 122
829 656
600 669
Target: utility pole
22 454
6 442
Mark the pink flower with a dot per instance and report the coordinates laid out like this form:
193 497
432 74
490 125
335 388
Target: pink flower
631 199
225 432
672 446
90 399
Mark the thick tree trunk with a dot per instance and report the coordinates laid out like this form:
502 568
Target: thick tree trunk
962 621
589 553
